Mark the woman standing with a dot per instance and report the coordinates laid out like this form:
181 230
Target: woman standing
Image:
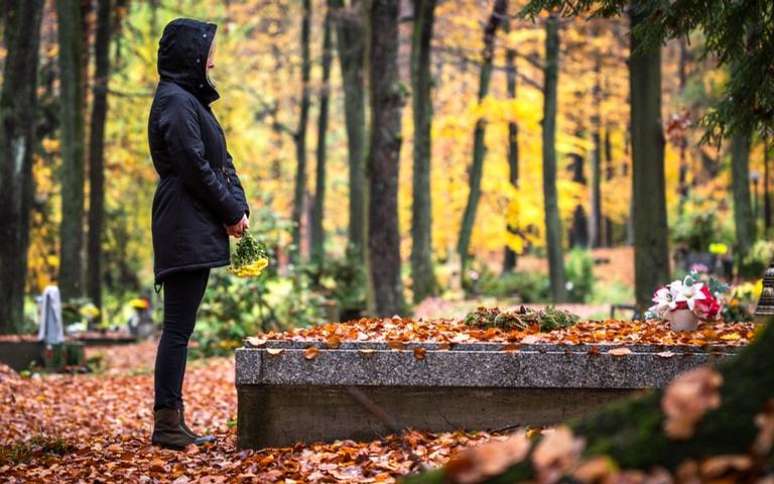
199 202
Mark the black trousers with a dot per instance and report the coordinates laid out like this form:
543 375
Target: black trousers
183 293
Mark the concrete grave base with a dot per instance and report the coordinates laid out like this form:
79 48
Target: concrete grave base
281 415
287 395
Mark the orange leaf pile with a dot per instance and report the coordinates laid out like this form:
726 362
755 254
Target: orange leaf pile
398 332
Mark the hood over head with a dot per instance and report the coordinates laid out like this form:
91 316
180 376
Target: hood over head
182 58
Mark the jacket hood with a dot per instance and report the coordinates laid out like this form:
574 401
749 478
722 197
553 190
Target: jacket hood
182 58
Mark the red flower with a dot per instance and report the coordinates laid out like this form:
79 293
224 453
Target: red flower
707 308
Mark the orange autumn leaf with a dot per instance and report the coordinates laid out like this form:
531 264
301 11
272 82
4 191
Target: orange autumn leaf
479 463
311 352
687 398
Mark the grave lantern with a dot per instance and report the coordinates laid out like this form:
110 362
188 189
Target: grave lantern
765 306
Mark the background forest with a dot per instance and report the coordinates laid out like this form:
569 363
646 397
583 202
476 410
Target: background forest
465 152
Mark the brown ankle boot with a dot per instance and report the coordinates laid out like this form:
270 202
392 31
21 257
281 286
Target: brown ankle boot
167 431
198 439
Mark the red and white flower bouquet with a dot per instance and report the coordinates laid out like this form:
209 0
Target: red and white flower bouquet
685 302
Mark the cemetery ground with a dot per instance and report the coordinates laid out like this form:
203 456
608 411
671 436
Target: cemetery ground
96 428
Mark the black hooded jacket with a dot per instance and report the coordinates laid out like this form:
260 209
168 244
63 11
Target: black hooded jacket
199 191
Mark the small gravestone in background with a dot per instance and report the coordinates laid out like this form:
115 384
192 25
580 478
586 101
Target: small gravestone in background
50 327
57 353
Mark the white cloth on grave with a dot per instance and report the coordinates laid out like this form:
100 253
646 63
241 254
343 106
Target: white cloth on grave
50 327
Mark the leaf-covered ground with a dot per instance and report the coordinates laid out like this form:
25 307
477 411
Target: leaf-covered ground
96 428
398 331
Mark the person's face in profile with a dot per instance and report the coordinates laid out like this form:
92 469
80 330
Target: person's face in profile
211 57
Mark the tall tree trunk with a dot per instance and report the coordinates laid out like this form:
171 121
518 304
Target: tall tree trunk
97 152
509 259
387 98
423 277
318 210
767 208
300 135
18 106
351 45
71 99
651 252
550 196
744 220
595 221
609 174
499 11
579 230
682 183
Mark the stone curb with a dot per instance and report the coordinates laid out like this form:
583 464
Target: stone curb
553 366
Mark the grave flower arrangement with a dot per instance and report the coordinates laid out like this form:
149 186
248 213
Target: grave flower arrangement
250 257
687 301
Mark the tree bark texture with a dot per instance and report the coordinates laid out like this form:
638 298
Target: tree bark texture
423 277
18 109
651 252
299 195
510 257
72 123
351 45
318 209
744 221
387 98
97 152
550 196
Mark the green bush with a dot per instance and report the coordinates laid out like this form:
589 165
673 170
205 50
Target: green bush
580 276
698 225
612 293
343 280
234 308
759 257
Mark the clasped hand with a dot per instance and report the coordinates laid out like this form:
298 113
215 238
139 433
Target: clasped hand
238 229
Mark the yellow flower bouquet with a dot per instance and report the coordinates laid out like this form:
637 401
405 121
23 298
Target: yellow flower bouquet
250 257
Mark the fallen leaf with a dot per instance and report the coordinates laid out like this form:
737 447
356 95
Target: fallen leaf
557 453
311 352
731 337
620 351
665 354
719 465
396 344
274 351
595 469
420 353
765 423
255 341
687 398
479 463
333 342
